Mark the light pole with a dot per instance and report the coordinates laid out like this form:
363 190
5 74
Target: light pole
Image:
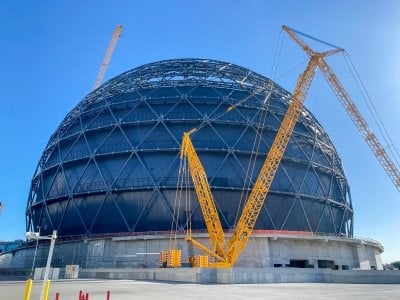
53 237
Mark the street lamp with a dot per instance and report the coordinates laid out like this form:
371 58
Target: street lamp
36 236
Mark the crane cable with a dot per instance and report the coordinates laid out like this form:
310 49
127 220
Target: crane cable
302 63
277 54
255 91
366 97
259 133
188 222
177 202
372 109
254 154
276 59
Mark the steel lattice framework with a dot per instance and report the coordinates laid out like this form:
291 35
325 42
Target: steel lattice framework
112 164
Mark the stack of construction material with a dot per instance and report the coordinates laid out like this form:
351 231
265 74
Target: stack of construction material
200 261
174 258
170 258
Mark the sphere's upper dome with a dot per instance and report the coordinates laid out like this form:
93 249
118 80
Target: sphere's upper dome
112 164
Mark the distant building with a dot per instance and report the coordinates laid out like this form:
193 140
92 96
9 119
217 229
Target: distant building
9 245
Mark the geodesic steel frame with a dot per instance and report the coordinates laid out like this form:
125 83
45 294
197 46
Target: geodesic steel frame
135 121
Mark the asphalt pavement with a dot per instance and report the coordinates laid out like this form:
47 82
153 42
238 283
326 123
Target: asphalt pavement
130 289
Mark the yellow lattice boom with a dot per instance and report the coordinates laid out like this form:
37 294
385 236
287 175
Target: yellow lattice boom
352 110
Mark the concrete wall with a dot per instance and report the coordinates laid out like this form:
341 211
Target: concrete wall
246 275
283 250
263 251
233 276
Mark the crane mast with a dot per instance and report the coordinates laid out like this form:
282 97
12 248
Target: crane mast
107 57
352 110
252 208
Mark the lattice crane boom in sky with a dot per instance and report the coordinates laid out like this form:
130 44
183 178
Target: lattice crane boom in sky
371 139
107 57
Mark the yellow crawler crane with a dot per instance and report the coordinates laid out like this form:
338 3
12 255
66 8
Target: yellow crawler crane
351 109
226 254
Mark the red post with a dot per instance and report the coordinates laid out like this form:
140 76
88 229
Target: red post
108 295
57 296
87 296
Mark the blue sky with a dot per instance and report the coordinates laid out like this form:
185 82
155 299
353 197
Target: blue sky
50 53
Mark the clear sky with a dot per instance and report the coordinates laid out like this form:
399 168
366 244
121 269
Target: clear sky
50 53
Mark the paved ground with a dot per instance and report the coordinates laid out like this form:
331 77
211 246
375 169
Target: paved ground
130 289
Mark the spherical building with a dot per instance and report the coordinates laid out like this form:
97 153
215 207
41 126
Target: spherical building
112 164
107 180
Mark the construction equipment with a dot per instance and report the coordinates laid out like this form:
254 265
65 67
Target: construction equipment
351 109
170 258
107 57
226 254
201 261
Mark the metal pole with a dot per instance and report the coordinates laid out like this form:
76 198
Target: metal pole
34 256
46 272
